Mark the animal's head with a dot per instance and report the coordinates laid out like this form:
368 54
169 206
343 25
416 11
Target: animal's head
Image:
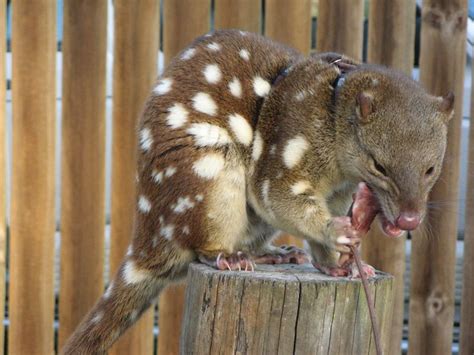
394 138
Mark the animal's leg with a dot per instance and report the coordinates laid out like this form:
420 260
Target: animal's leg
130 293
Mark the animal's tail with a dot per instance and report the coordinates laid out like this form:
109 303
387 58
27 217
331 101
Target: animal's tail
130 293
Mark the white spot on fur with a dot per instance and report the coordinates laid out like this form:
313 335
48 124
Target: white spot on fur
214 46
96 319
204 103
178 116
273 149
241 128
182 205
235 87
207 135
209 166
188 53
170 171
167 231
130 250
243 33
257 146
300 187
294 151
163 87
212 73
146 140
244 54
133 315
300 95
109 290
310 211
157 176
199 198
144 204
261 86
133 275
266 193
186 230
154 241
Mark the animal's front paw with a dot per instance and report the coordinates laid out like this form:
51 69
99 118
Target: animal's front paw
349 269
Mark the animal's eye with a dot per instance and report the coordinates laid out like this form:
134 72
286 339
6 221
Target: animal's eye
430 171
379 167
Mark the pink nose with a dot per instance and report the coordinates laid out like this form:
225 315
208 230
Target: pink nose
408 220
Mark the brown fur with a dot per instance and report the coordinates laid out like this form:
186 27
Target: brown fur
250 199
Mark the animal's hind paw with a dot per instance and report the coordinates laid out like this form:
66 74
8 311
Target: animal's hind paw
233 262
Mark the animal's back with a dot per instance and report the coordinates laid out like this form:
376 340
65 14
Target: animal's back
196 142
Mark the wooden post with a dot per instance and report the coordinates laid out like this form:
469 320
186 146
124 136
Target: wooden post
3 152
284 309
467 302
83 161
340 27
289 22
391 42
135 63
240 14
442 61
31 298
183 21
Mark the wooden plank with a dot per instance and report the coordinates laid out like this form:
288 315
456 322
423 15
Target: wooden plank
288 294
289 22
135 57
467 304
3 152
340 27
442 61
391 43
83 161
32 216
183 21
240 14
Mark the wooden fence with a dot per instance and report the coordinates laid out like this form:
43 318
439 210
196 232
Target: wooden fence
137 34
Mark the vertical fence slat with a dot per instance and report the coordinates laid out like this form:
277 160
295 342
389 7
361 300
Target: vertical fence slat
32 220
467 304
83 161
442 60
3 152
135 58
183 21
241 14
340 27
391 42
289 22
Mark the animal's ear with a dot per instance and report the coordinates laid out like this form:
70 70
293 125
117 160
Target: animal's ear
365 106
446 106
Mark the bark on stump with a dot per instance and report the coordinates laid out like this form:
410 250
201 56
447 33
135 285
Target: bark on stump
282 309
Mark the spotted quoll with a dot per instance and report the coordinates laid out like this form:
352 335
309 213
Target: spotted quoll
242 137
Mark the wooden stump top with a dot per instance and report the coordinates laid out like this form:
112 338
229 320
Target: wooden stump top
282 309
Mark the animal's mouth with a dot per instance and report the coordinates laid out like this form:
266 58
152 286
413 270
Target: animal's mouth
390 229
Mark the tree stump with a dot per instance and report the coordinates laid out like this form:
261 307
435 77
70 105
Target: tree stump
282 309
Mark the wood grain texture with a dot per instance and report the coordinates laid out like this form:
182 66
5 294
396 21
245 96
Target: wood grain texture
282 309
239 14
442 60
83 161
135 58
183 21
31 297
467 301
289 22
340 27
3 172
391 43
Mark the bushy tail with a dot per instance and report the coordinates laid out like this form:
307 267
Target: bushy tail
130 293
